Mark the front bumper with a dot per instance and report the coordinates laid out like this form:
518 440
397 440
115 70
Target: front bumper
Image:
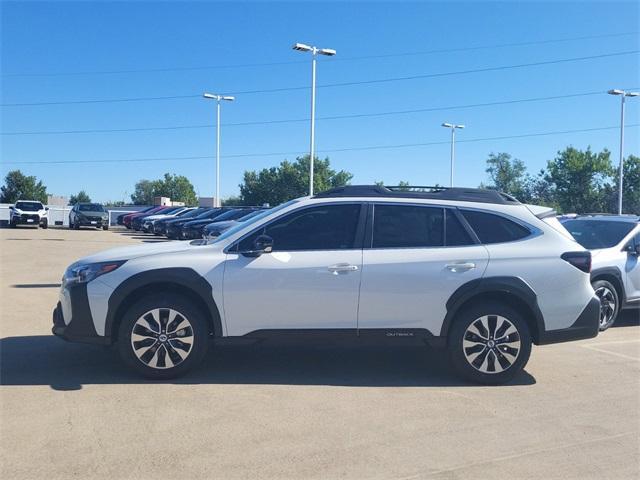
586 326
191 233
26 219
78 327
91 222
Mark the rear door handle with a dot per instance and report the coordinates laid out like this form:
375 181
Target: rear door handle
342 268
460 267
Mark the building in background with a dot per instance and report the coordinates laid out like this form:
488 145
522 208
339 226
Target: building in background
57 201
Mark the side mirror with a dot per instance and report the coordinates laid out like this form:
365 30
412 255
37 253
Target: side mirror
46 208
633 250
262 244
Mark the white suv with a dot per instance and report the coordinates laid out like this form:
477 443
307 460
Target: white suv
28 212
471 270
614 241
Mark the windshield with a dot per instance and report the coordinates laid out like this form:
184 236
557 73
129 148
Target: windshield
29 206
242 225
91 207
594 234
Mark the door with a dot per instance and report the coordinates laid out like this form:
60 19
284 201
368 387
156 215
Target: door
418 256
309 281
632 273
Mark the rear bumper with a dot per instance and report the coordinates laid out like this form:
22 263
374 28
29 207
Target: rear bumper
586 326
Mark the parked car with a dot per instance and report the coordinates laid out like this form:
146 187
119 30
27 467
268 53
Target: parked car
147 222
136 223
160 226
215 229
174 227
28 212
193 229
126 221
474 271
614 241
88 215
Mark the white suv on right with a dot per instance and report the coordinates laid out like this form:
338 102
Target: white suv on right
473 271
614 241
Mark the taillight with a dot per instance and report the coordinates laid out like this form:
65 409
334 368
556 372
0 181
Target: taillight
580 260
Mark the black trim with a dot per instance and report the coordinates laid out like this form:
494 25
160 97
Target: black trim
615 272
586 326
80 328
504 285
184 277
434 193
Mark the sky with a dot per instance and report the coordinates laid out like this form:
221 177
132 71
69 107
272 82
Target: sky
57 52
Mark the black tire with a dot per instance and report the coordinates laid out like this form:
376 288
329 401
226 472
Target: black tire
609 303
76 226
70 224
484 353
155 345
105 227
12 224
45 224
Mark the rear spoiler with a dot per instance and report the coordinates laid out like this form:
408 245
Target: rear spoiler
541 212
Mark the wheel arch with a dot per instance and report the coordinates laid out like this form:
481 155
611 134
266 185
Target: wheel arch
614 277
512 291
184 281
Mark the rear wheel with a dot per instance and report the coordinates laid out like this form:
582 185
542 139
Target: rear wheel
609 302
163 336
489 343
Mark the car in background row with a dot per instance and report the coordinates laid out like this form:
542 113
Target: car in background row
174 227
215 229
193 229
28 212
136 223
147 222
128 218
88 215
614 242
160 226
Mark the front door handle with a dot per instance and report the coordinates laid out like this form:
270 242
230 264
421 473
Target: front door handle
460 267
339 268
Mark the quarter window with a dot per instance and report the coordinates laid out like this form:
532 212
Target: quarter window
492 228
326 227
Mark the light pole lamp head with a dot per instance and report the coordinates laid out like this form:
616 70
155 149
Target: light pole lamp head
633 94
228 98
329 52
448 125
301 47
210 95
615 92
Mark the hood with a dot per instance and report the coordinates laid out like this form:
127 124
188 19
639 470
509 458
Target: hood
197 223
222 225
136 251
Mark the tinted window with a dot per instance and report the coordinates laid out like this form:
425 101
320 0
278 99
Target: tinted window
326 227
492 228
91 207
455 234
402 226
29 206
594 234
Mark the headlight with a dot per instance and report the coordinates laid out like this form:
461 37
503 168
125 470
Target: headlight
84 273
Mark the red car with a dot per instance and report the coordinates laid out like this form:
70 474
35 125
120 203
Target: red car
126 221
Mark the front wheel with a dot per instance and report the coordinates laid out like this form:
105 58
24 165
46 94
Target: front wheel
609 303
105 227
45 223
489 343
163 336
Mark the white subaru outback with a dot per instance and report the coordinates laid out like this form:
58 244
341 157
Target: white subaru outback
474 271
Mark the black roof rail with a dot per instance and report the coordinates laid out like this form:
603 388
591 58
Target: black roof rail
418 191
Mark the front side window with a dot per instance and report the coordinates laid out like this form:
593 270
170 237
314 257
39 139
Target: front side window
406 226
492 228
325 227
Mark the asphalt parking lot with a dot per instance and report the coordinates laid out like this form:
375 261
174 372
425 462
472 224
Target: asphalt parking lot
278 410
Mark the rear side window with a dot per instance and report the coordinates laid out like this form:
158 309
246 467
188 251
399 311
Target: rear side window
400 226
492 228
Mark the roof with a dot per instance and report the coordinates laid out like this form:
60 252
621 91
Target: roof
421 192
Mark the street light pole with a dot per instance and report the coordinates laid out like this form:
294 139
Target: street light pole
623 96
301 47
453 147
218 98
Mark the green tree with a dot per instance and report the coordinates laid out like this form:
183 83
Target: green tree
176 187
81 197
289 180
508 175
578 179
630 187
18 186
232 201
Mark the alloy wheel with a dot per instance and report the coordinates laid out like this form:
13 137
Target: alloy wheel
607 306
162 338
491 344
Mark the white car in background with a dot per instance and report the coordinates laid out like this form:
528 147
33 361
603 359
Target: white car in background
28 212
614 241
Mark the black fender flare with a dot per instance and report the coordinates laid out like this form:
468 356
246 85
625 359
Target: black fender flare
514 286
614 272
177 276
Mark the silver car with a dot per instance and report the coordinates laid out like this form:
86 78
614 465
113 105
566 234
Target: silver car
614 241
